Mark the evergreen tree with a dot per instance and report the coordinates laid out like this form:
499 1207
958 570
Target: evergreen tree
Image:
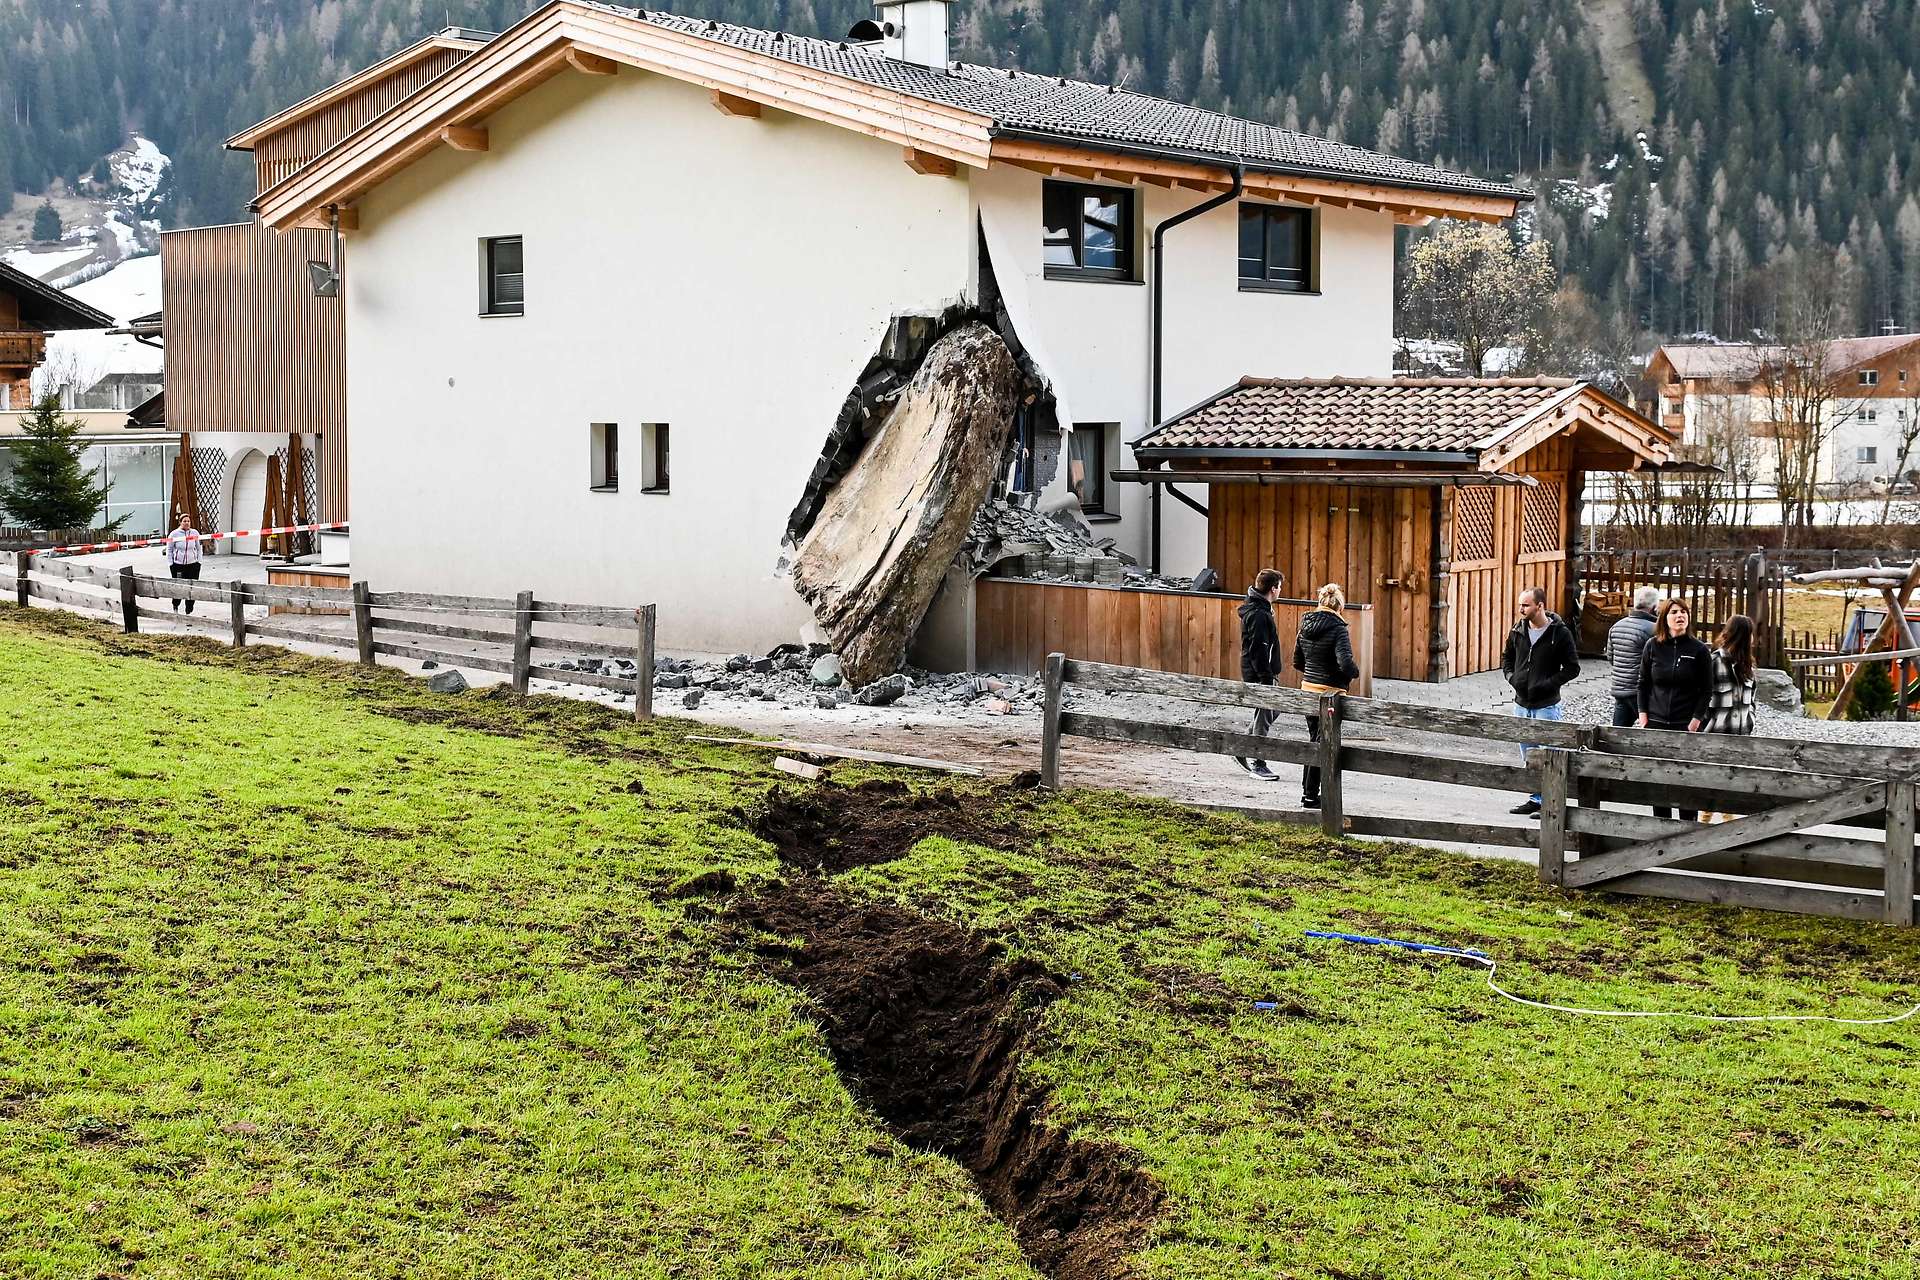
50 487
1873 695
46 222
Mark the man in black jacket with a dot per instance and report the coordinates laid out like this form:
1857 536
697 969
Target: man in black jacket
1539 659
1260 655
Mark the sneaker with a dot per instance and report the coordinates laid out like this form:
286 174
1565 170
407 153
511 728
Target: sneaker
1309 802
1528 808
1259 770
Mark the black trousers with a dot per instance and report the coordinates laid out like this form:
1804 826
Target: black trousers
1310 774
191 572
1662 811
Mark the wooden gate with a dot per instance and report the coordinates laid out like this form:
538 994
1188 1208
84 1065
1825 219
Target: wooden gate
1765 854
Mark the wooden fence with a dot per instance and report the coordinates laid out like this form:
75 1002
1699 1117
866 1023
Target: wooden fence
1018 622
1816 683
1765 857
1714 588
377 627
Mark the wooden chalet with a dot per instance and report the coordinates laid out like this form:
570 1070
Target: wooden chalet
29 311
1435 500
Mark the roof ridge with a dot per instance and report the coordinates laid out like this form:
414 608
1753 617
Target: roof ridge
1538 380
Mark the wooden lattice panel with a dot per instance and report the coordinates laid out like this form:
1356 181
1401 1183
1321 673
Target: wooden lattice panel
1473 525
1540 531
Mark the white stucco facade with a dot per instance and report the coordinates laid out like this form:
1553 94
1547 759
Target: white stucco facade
731 277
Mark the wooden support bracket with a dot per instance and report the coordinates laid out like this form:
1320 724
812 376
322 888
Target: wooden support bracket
464 137
732 104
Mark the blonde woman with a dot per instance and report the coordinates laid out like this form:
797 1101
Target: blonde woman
1323 655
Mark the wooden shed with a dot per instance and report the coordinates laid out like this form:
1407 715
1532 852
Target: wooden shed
1435 500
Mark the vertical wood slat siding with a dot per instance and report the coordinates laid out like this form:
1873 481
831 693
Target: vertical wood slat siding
1018 623
280 155
249 348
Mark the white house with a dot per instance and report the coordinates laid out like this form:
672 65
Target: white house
609 279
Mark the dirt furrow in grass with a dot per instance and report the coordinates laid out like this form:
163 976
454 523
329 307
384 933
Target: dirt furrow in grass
928 1023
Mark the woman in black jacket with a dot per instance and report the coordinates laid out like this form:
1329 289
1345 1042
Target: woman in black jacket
1323 655
1676 680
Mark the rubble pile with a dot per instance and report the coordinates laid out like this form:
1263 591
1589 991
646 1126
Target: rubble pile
810 677
1058 543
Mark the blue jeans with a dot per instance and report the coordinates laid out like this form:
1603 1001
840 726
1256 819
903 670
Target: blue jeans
1558 711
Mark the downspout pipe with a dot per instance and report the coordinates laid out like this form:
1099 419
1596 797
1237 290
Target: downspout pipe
1158 340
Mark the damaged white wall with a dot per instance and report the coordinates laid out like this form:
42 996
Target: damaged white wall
729 277
1092 338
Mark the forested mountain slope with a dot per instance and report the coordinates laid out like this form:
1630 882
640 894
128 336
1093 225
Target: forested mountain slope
1772 124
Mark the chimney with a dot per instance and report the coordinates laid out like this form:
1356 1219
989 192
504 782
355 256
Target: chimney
915 31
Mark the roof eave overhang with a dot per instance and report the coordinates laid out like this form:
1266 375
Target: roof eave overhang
1427 457
1581 405
1408 201
68 312
247 138
538 47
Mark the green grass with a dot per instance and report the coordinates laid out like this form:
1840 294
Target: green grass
296 981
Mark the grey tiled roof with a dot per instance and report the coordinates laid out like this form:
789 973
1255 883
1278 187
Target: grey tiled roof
1075 111
1426 415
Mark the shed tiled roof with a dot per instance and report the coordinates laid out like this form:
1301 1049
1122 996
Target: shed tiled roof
1422 415
1073 111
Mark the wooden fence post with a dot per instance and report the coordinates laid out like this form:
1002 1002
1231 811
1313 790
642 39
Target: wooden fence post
522 640
363 622
22 566
1899 884
1587 791
1332 802
237 603
644 618
1556 772
129 607
1050 722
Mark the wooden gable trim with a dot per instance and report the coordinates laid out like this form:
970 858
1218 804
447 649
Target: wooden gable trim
539 48
247 138
1583 407
1302 190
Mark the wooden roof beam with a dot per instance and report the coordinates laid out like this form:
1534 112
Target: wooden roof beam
591 64
929 164
732 104
322 221
464 137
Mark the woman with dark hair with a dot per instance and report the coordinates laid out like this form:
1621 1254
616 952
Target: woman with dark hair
1676 680
1730 709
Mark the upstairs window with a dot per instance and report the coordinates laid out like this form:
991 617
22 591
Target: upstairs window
1276 249
1869 377
1089 231
503 282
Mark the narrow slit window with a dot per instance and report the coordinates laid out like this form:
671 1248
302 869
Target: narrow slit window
504 283
656 475
604 439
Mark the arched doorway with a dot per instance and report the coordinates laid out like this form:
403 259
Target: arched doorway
249 501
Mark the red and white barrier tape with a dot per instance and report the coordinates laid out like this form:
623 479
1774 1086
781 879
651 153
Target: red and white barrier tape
84 547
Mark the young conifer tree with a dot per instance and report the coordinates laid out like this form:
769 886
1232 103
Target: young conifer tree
50 487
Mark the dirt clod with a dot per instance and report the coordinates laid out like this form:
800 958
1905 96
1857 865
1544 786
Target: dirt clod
927 1023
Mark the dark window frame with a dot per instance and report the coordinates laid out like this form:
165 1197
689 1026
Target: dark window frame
1306 278
491 303
656 457
603 472
1096 483
1053 192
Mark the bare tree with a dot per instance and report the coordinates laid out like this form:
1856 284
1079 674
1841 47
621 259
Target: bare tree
1905 450
1470 283
1802 382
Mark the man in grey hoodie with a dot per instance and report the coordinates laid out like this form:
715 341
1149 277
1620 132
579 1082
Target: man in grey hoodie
1626 641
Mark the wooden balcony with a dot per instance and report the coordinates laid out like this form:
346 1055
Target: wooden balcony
22 348
1675 422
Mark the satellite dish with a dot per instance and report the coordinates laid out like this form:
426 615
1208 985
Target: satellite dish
325 280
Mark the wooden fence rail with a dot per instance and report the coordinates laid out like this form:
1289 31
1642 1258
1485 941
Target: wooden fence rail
1775 791
515 653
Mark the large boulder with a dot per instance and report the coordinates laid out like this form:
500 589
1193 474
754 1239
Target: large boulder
876 554
1775 688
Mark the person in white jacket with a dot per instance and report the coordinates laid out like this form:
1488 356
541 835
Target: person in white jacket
183 555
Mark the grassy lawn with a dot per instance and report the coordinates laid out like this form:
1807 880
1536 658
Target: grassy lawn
306 972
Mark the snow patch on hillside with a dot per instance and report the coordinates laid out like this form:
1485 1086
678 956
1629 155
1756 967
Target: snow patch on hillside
138 167
84 356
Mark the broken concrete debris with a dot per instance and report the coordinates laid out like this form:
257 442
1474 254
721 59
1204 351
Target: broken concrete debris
882 693
826 671
447 682
875 555
1059 543
692 698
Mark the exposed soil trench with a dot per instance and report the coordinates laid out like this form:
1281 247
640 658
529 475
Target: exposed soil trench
927 1023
